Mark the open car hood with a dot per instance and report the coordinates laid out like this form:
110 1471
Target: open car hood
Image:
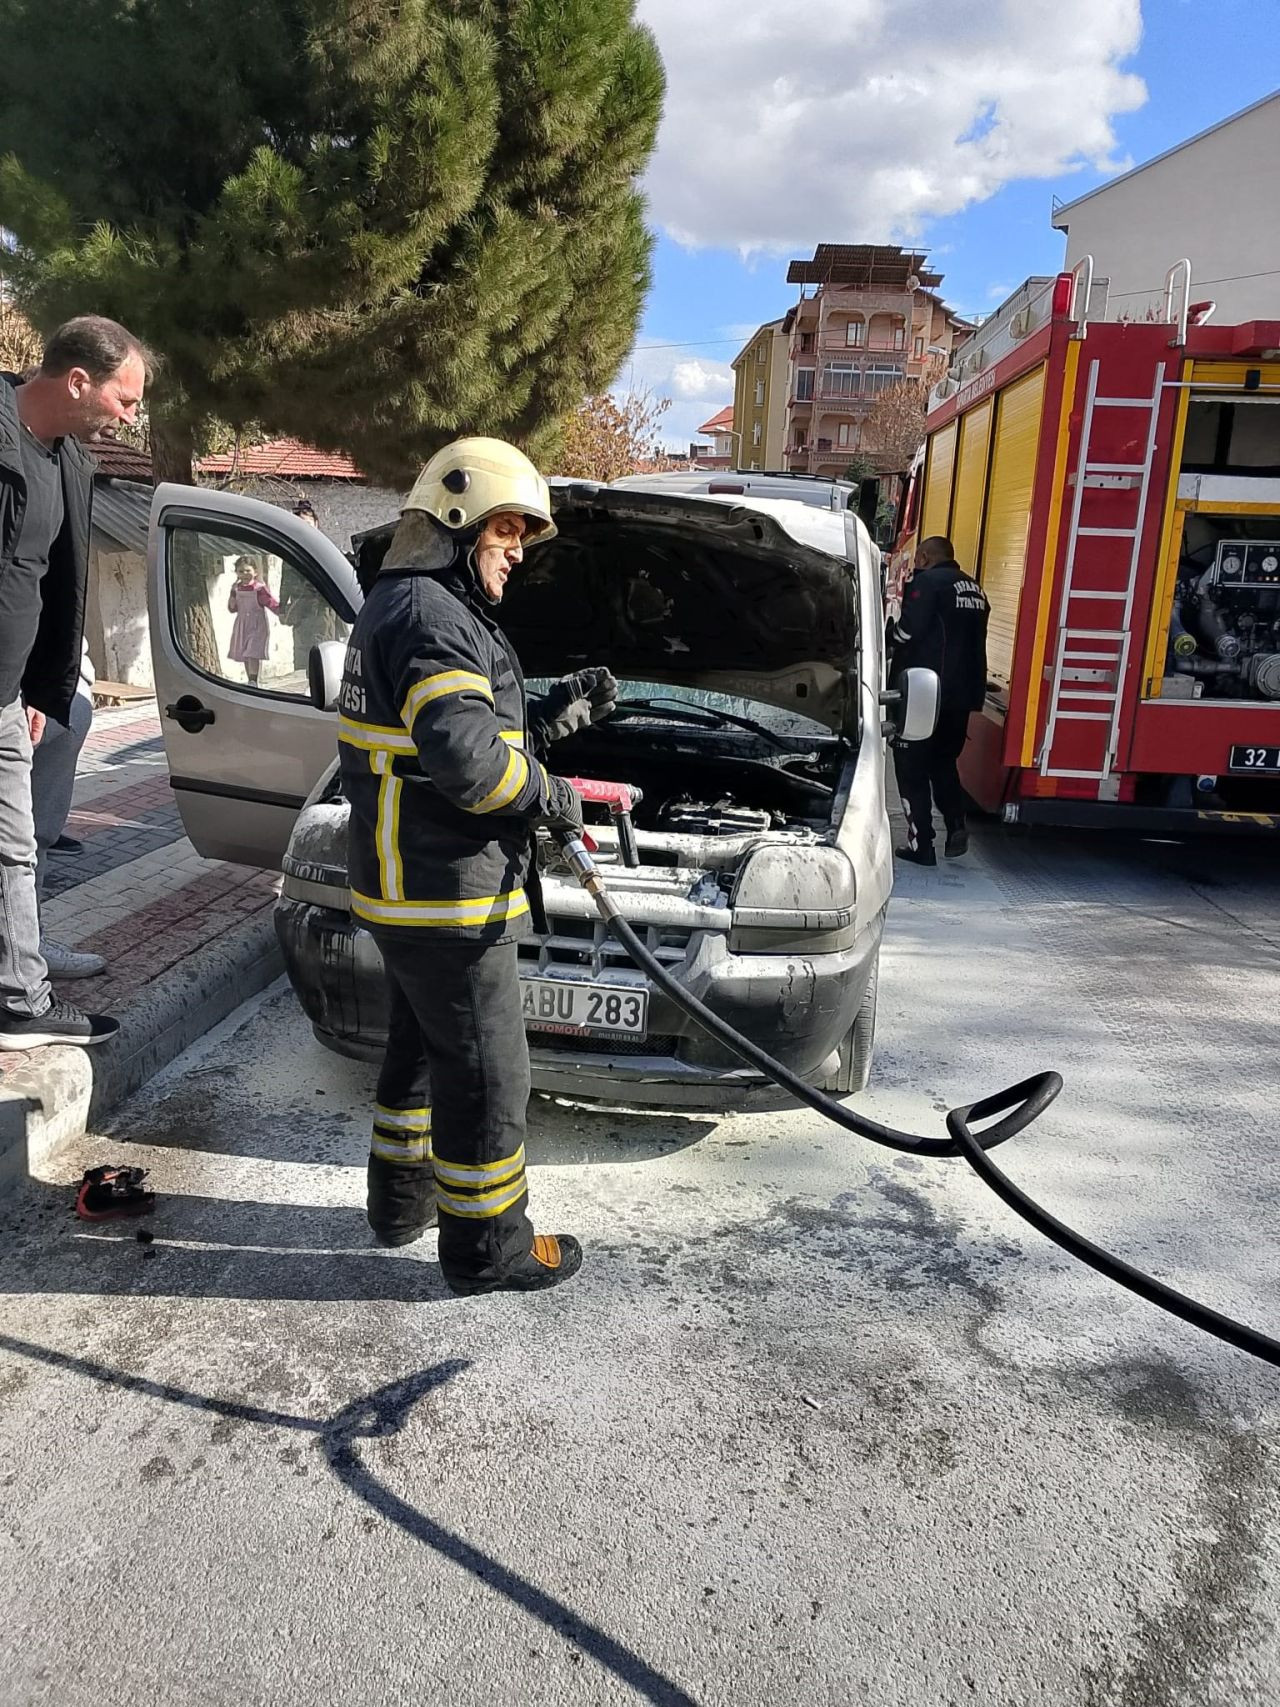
752 599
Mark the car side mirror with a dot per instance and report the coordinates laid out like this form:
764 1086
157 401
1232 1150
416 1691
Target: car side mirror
913 705
324 673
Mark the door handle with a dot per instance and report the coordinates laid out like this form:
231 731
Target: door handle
190 715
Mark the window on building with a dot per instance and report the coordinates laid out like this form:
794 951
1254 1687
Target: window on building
756 433
840 379
762 354
879 376
801 438
843 438
804 385
759 394
855 334
899 337
918 349
806 343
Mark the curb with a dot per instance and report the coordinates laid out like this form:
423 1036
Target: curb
63 1092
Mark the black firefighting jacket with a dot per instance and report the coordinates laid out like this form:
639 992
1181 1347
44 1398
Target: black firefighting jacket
437 764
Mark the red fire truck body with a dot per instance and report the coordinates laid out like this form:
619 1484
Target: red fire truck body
1115 488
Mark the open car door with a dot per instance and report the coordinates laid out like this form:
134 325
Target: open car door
238 593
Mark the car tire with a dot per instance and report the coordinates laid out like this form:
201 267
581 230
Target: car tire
859 1046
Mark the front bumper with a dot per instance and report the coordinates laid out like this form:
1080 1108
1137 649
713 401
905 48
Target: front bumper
797 1007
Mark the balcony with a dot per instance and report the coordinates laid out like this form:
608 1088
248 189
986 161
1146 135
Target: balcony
869 346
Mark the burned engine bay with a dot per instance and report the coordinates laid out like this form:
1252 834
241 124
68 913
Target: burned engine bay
703 801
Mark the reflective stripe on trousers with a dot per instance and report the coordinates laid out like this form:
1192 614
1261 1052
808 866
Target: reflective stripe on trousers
456 1048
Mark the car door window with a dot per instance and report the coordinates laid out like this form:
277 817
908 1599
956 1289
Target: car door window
245 614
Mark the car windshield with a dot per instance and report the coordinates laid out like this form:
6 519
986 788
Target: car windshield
673 697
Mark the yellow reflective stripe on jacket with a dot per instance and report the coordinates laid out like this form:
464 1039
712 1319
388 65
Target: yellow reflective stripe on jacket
390 866
432 687
484 1205
514 778
482 910
374 737
489 1174
513 737
401 1148
407 1119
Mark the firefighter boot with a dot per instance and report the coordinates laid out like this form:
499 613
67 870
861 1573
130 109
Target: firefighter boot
553 1258
957 843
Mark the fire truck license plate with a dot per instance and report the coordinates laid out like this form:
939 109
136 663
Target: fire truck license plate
555 1004
1255 759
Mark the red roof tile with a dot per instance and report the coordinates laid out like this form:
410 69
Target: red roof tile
718 423
283 459
121 461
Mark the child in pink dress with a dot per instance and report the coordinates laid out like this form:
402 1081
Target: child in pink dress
249 603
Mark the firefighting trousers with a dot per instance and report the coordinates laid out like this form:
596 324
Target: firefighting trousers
449 1124
927 775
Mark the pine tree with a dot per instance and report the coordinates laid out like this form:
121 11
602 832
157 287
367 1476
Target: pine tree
371 227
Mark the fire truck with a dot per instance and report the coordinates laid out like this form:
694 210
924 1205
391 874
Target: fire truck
1114 484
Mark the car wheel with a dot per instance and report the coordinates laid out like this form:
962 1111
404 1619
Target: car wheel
858 1047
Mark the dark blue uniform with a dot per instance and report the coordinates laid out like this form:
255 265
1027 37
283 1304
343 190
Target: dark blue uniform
444 787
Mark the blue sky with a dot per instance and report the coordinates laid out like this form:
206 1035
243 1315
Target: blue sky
1198 60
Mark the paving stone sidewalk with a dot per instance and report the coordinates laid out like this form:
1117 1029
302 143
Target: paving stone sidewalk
163 918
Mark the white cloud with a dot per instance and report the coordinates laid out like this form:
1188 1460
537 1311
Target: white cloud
699 381
859 120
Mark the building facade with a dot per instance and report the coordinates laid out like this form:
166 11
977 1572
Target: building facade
868 320
1205 200
760 371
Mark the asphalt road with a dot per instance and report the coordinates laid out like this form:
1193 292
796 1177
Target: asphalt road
815 1425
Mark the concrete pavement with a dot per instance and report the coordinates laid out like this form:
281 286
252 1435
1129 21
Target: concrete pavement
816 1424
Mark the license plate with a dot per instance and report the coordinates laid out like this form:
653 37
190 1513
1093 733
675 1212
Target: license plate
587 1010
1255 759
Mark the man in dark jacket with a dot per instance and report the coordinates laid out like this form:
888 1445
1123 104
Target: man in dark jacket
440 764
943 627
90 381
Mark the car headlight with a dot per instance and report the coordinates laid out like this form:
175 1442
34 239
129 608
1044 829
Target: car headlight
794 898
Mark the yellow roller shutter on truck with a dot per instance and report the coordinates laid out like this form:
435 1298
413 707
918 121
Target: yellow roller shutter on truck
937 483
1008 519
971 484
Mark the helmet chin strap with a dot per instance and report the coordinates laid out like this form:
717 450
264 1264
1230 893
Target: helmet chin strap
474 567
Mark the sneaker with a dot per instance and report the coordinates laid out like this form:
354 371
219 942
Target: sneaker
64 962
957 843
66 845
554 1257
916 856
60 1023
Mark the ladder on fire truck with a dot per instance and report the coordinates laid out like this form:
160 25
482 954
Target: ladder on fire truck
1091 662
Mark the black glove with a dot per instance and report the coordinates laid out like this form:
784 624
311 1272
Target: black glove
571 704
564 806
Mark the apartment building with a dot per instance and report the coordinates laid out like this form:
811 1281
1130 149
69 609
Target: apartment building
868 318
760 371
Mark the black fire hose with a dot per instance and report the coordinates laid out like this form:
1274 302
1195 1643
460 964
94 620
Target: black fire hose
1019 1105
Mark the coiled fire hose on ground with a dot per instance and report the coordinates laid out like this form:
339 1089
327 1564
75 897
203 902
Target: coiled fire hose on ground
1009 1111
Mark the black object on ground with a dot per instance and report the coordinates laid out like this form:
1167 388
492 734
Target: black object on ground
110 1194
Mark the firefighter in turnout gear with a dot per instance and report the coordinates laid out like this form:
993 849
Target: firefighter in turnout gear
440 757
943 627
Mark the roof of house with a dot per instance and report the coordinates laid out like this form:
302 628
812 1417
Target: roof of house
121 511
119 461
1061 212
718 423
862 264
282 459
